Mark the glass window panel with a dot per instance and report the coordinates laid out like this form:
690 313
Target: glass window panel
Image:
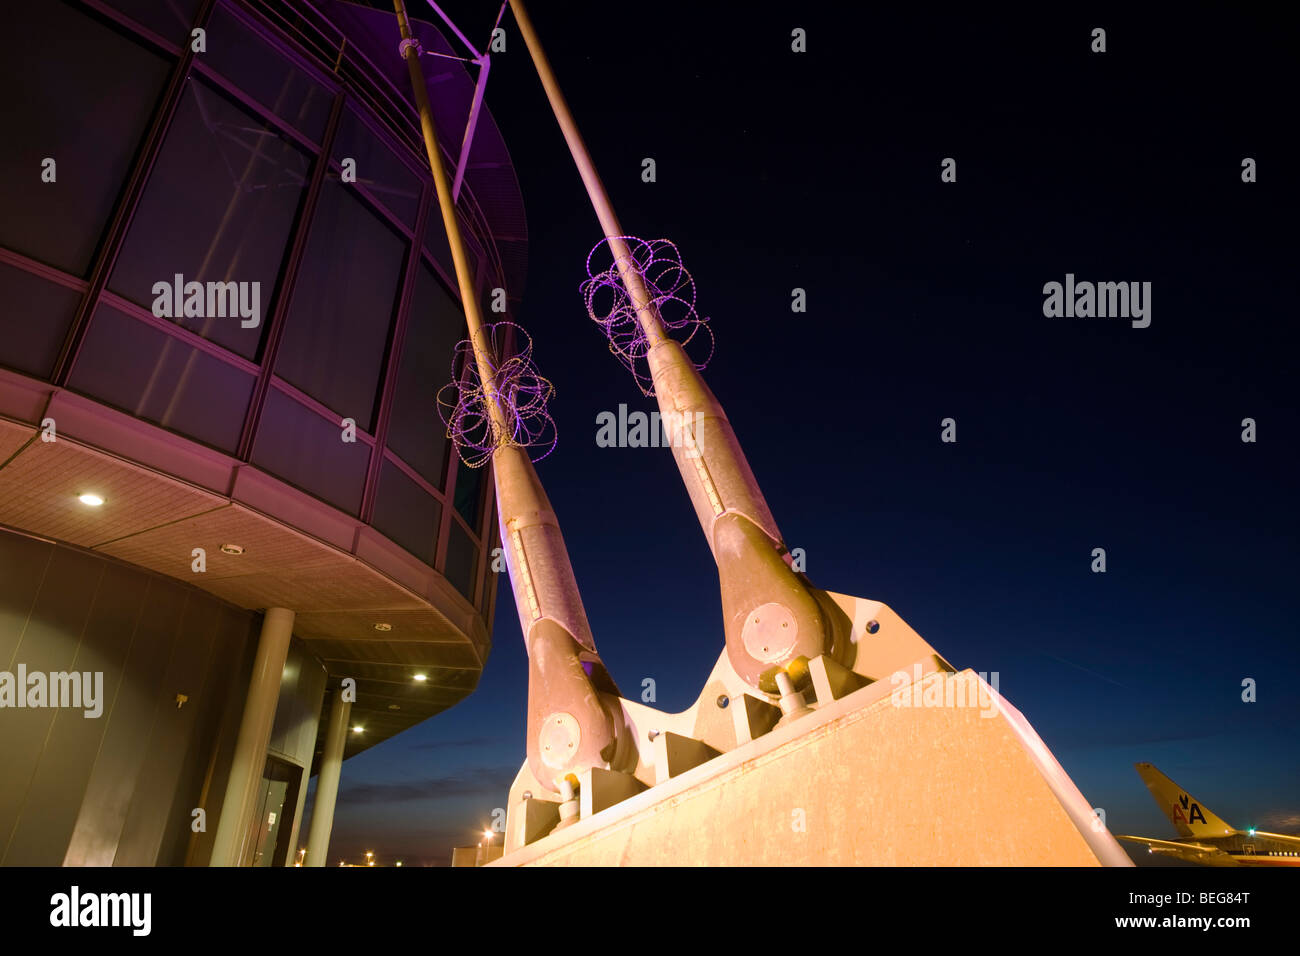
238 54
462 561
406 513
387 178
170 19
146 372
84 98
36 315
469 493
343 304
308 451
219 207
415 430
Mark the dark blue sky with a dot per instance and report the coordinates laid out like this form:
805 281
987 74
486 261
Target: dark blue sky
821 171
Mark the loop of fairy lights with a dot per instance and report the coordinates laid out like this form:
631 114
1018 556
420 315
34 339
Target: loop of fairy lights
521 393
672 299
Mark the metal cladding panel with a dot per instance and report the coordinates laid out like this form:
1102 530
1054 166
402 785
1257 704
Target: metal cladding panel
115 786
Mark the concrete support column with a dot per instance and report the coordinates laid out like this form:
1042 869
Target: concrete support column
232 835
327 781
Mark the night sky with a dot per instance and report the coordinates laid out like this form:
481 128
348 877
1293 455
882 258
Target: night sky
821 170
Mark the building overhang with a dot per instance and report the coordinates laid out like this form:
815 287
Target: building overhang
164 496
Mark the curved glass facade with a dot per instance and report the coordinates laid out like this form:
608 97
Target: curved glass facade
241 246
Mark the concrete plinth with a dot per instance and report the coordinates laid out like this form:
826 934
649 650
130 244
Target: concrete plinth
946 773
475 855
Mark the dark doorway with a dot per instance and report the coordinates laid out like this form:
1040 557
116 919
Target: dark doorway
277 801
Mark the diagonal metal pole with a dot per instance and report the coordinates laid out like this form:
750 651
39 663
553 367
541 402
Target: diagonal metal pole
570 723
774 619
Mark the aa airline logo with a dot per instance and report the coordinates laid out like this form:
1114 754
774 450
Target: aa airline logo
1193 810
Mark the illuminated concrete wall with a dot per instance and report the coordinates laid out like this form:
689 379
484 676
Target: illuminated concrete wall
860 782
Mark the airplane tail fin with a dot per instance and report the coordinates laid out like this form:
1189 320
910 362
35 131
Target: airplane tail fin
1189 816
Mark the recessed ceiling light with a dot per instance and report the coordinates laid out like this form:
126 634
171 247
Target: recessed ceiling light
93 500
232 549
421 677
357 730
383 627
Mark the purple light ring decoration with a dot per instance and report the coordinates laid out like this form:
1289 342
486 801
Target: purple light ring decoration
672 298
521 392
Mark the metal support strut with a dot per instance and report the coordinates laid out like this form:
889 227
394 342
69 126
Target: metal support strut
571 707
